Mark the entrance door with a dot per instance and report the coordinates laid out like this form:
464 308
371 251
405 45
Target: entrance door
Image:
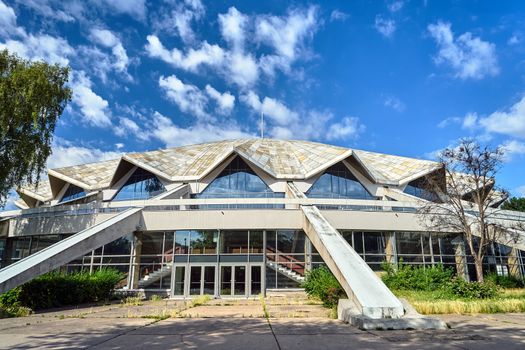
178 280
240 280
191 280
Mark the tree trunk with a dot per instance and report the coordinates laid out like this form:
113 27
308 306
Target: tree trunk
479 269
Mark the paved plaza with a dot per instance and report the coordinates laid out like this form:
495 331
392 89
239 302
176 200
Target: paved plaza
273 323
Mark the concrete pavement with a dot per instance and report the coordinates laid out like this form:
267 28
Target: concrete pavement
242 325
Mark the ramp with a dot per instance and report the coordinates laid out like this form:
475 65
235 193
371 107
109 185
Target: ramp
69 249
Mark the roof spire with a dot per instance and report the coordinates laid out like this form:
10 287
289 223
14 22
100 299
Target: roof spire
262 125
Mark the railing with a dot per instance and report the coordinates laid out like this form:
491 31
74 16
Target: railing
236 204
285 260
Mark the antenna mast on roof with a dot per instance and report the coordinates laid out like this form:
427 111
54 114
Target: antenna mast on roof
262 125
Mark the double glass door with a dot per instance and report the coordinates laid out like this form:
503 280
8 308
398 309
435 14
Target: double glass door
235 280
240 280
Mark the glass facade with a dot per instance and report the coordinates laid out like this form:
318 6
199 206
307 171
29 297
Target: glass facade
238 180
141 185
420 188
247 262
338 182
73 192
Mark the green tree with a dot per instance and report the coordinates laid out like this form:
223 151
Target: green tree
517 204
33 95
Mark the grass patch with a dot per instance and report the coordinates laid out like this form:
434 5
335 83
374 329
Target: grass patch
264 306
132 301
14 311
155 297
435 302
158 317
200 300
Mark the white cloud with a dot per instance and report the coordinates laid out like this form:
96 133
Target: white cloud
510 122
469 121
225 101
396 6
242 69
172 135
107 39
40 47
348 127
189 98
512 148
520 191
337 15
127 127
93 108
515 39
67 154
7 20
134 8
233 27
282 122
386 27
468 56
285 34
61 10
395 103
271 108
179 20
211 55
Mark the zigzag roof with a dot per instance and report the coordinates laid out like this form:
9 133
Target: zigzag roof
281 159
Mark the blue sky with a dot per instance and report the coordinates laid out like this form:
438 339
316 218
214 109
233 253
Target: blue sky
399 77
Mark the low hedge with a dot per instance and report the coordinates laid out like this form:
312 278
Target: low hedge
57 289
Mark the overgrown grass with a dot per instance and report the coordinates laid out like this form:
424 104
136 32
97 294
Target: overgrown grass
425 302
200 300
132 301
434 290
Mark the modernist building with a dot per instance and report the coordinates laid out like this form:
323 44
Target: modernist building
234 218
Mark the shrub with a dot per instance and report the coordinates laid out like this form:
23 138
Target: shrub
57 289
407 277
320 283
472 290
505 281
435 279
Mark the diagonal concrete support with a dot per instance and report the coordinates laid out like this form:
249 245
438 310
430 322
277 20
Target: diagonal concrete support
69 249
361 284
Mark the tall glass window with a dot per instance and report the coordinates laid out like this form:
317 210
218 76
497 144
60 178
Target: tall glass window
338 182
421 189
238 180
204 242
140 185
73 192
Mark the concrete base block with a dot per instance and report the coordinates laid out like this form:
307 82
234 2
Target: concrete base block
349 313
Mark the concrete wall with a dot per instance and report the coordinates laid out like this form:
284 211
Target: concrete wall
55 224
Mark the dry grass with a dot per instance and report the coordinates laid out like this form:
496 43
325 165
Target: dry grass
428 303
488 306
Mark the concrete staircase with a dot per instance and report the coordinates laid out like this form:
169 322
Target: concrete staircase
285 271
68 249
155 276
